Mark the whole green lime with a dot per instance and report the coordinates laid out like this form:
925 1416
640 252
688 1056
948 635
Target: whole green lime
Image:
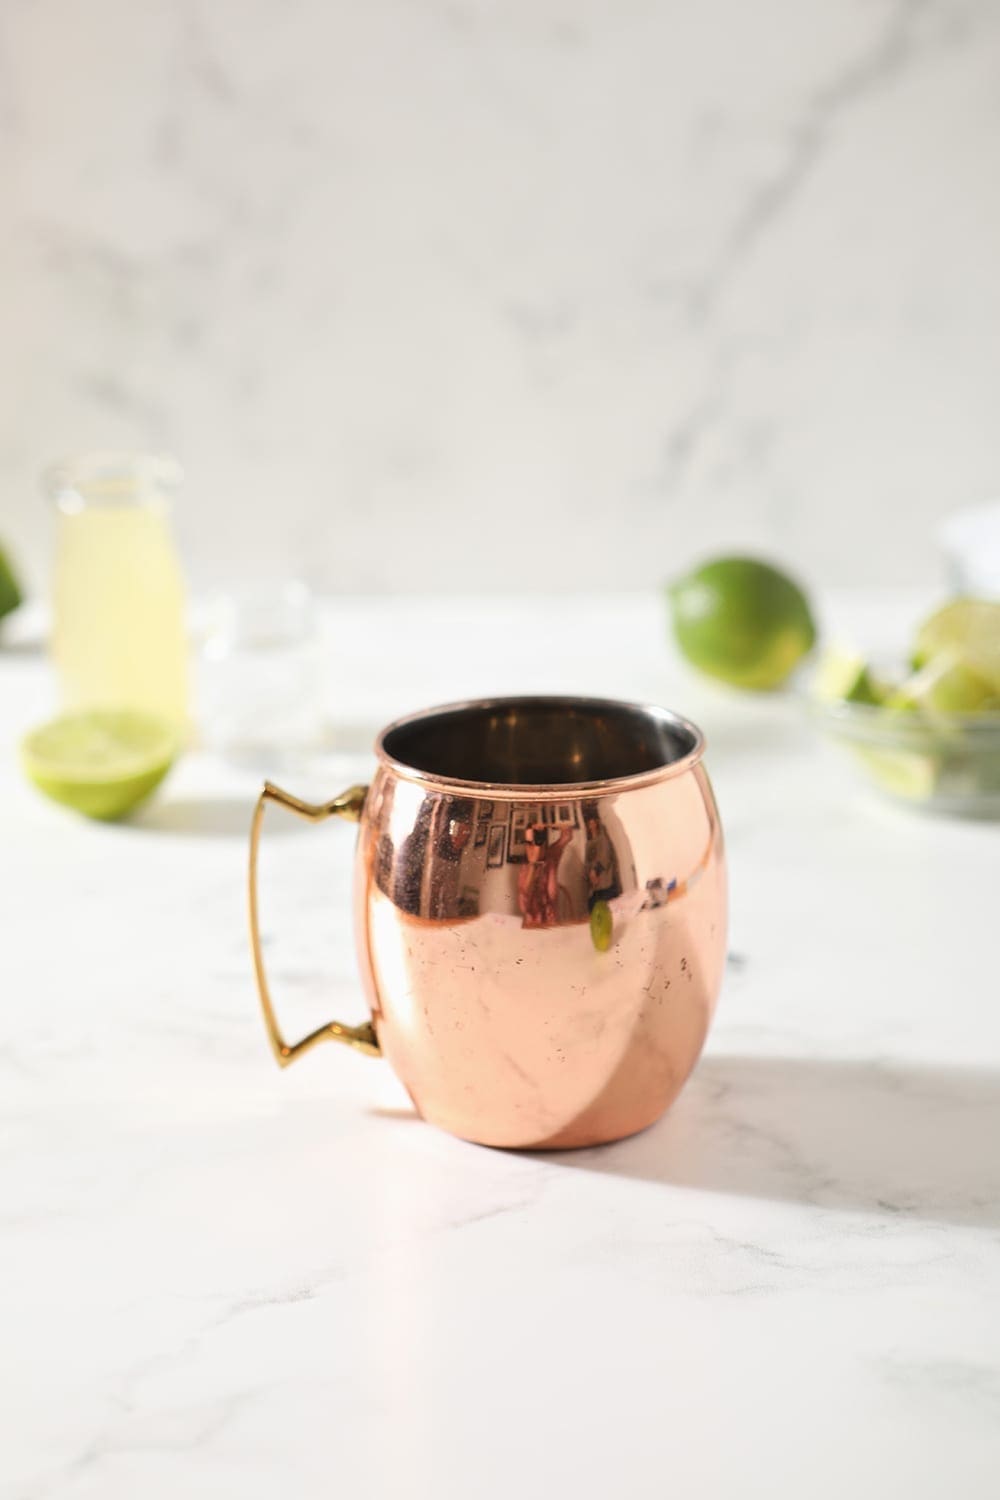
741 620
10 592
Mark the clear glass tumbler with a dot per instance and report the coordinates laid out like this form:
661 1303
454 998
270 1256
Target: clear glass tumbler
119 638
260 689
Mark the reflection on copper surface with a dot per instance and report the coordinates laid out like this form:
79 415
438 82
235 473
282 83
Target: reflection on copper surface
603 877
538 877
550 862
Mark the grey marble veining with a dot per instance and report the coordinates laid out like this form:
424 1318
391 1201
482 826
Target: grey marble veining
604 286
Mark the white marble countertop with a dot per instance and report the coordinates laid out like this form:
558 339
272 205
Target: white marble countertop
221 1280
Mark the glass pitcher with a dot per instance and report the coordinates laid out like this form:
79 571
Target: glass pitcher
119 638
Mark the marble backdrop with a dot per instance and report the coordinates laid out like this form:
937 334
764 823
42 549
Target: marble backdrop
472 295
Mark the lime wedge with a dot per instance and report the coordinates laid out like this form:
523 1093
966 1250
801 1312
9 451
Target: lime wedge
966 630
946 685
10 593
102 763
843 678
901 773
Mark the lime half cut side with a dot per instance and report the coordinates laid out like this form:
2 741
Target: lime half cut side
967 631
101 763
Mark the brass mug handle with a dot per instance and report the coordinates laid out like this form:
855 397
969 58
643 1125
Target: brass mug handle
363 1038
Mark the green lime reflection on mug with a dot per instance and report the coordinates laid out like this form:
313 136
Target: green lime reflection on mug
602 926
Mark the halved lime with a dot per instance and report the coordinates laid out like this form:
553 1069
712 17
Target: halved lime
741 620
10 592
967 630
103 762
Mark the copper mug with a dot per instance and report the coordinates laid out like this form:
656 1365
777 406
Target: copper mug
540 915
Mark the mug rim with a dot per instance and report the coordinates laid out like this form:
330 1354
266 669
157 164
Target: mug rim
523 791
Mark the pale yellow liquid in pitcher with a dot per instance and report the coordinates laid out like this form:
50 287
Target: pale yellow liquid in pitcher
119 636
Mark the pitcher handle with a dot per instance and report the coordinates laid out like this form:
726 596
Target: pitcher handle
363 1038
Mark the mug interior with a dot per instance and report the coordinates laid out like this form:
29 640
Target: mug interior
540 741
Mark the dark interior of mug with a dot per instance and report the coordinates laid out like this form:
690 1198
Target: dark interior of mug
540 741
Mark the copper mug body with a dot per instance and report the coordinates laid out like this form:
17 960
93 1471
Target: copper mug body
540 909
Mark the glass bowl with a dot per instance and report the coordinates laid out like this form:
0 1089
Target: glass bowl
947 763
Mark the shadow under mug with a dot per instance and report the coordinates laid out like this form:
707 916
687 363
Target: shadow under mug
540 915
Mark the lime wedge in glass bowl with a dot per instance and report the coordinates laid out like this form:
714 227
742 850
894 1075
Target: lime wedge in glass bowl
930 738
102 763
843 677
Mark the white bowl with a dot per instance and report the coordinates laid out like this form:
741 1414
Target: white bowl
970 541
